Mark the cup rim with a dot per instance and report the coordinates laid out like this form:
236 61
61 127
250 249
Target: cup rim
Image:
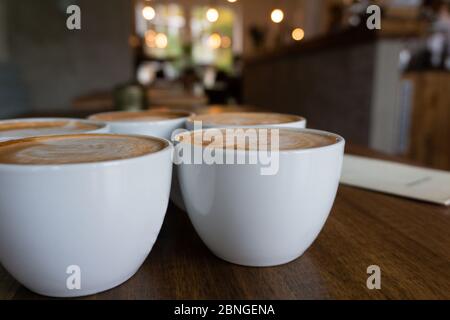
299 119
340 140
168 147
132 122
101 125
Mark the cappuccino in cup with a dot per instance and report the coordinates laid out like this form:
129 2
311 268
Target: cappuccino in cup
247 217
241 120
72 149
81 202
21 128
230 139
247 119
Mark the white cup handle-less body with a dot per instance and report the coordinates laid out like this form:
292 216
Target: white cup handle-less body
102 218
263 220
162 129
176 196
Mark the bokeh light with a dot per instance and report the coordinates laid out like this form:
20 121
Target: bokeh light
212 15
277 15
226 42
161 41
148 13
298 34
215 41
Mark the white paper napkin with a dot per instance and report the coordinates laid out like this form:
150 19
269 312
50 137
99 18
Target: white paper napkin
398 179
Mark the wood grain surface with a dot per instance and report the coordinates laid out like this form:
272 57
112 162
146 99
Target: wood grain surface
409 240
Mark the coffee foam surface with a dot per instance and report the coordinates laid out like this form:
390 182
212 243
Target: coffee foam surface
21 129
149 115
257 139
83 148
246 118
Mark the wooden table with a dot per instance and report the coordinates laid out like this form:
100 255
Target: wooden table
409 240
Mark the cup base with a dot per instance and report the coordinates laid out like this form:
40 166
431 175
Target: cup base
260 264
84 293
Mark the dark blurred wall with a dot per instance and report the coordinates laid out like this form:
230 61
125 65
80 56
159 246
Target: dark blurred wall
55 64
331 87
347 82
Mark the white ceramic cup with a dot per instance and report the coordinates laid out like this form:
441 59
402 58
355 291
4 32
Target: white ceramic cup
158 128
250 219
191 122
298 122
161 128
29 132
100 217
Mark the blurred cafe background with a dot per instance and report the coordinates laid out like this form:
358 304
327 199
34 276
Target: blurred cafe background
387 89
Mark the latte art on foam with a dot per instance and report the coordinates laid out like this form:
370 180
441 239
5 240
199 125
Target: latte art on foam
148 115
246 118
18 129
257 139
84 148
290 140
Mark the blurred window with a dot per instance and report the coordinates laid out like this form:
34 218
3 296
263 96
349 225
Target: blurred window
160 25
212 41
